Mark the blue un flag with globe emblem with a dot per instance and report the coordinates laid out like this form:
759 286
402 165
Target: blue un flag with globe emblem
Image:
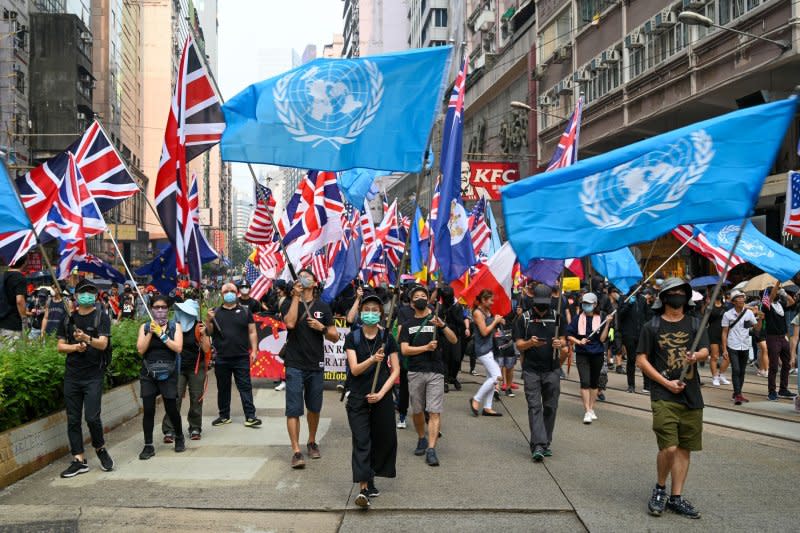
335 114
706 172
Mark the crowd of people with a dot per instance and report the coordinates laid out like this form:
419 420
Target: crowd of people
402 359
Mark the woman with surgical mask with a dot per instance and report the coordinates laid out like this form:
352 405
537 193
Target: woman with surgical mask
192 372
160 342
371 414
589 339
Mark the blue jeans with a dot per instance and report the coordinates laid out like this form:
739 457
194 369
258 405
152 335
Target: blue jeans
303 386
239 369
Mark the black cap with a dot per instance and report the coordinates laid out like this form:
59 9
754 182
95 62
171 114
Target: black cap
371 297
308 271
85 285
542 294
418 287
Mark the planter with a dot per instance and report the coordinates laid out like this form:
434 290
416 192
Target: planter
32 446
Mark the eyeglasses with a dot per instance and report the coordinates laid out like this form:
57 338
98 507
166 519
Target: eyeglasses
159 307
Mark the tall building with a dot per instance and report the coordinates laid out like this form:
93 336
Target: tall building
374 27
242 210
335 48
428 23
14 82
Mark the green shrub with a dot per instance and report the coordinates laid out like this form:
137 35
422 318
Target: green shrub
32 375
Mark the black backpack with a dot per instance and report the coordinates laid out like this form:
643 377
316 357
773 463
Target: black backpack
105 358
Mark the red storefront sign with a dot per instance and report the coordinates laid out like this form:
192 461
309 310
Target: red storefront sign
483 179
34 262
219 240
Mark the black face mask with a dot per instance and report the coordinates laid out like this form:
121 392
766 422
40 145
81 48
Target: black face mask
420 304
676 301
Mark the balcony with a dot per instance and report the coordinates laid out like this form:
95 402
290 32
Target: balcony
485 20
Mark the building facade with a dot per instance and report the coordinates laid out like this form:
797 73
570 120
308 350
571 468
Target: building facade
375 26
14 85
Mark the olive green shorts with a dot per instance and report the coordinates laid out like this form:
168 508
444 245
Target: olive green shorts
676 425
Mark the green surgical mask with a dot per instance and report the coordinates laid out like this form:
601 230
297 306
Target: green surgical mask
370 318
86 298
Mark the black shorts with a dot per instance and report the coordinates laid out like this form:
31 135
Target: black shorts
168 388
589 367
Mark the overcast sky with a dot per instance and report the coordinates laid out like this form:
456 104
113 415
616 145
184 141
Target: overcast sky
256 38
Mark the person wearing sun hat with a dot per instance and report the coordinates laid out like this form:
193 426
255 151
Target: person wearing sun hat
192 373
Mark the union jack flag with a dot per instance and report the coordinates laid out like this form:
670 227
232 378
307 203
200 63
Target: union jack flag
700 244
791 221
437 195
261 229
478 228
102 169
567 150
195 124
195 239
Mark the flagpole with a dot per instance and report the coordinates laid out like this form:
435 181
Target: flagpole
707 314
130 274
558 310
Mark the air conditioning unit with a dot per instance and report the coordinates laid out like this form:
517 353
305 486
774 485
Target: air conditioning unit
545 101
85 78
564 87
565 52
9 15
634 40
478 61
485 20
666 19
694 4
649 26
86 37
81 116
538 72
582 76
610 56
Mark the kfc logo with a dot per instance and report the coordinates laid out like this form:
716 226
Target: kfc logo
482 179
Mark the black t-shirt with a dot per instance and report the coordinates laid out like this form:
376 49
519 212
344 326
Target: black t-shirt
90 361
191 349
305 347
254 306
37 307
14 285
417 334
56 311
234 340
127 308
774 324
530 324
361 385
666 350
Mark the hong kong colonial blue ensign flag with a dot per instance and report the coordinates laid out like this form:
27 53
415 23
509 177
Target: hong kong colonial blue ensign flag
336 114
708 171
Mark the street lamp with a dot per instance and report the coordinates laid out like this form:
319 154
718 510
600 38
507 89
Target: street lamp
516 104
696 19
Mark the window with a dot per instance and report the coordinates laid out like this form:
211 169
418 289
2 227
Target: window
439 18
19 80
556 34
638 61
732 9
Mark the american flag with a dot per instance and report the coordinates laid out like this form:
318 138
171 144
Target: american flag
765 300
370 245
263 267
261 229
478 228
567 150
102 169
259 284
700 244
319 264
791 221
195 124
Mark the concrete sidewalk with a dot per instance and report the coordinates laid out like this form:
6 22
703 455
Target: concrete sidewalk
239 479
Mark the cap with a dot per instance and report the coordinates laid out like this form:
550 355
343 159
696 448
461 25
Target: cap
308 271
85 285
589 298
371 297
542 294
418 287
736 293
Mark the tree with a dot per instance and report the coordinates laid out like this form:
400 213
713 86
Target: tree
240 251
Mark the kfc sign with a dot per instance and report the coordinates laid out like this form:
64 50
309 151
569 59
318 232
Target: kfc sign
483 179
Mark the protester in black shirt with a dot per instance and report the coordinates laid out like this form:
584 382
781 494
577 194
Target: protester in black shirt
127 308
38 308
309 321
14 292
55 312
236 342
454 315
418 341
775 330
84 337
677 404
371 415
159 343
535 337
254 306
192 372
632 315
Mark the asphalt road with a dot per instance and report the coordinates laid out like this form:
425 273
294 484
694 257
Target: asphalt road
599 479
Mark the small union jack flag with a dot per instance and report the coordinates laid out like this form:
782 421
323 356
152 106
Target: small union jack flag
567 150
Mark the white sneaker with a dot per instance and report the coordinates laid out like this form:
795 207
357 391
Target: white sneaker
594 416
587 418
724 380
281 386
715 381
401 424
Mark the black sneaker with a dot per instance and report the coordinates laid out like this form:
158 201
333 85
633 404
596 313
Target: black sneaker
106 462
372 490
221 421
510 392
601 397
446 388
630 390
786 394
538 455
252 422
147 452
422 445
658 501
180 444
456 384
430 457
362 500
75 467
682 507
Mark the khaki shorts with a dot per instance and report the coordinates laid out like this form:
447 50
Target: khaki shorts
426 392
676 425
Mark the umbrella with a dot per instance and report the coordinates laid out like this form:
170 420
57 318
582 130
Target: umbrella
704 281
759 283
